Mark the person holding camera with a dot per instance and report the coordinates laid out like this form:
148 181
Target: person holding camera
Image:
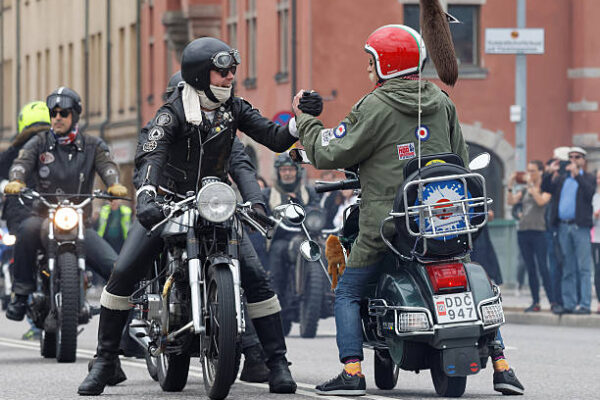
572 213
532 227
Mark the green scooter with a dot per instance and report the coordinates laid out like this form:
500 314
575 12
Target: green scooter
431 308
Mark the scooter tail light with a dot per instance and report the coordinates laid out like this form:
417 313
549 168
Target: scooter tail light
447 278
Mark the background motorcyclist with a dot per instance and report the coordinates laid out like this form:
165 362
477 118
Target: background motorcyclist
64 160
34 117
288 186
380 134
193 136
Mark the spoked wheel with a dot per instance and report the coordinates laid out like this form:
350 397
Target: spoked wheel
172 371
446 386
220 341
152 366
312 299
386 371
67 305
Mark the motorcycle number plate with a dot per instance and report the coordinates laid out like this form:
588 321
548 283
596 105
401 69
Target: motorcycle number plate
457 307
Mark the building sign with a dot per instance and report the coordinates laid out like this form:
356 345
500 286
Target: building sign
514 41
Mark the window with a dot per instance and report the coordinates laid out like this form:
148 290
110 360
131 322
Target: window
122 69
133 67
61 67
8 102
465 35
250 81
38 76
70 61
232 23
283 12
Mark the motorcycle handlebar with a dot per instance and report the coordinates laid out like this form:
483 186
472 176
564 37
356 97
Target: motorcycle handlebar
322 187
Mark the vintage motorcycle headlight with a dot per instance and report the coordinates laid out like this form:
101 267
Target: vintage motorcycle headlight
492 314
9 240
66 218
315 220
216 202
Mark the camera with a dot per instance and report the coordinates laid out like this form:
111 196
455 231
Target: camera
521 177
562 168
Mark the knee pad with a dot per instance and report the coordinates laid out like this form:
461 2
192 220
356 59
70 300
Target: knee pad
114 302
264 308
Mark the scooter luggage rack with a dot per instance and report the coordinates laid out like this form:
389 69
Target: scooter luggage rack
431 212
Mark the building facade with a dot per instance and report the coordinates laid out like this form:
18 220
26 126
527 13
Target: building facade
288 45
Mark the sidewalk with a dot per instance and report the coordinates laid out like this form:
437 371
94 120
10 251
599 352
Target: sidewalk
515 303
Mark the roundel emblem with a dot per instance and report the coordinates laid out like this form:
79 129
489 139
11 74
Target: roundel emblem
422 133
156 133
340 131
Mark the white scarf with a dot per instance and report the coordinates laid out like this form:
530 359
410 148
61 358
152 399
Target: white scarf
194 100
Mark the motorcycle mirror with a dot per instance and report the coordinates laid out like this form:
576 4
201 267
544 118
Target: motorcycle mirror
299 156
480 162
310 250
294 214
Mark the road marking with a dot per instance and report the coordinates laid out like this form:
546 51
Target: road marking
194 371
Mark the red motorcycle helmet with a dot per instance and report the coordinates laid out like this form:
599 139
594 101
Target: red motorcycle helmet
398 50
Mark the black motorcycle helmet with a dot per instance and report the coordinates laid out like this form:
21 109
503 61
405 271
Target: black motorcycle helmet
174 81
284 159
200 56
66 99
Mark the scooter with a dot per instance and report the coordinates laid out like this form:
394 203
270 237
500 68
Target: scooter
431 308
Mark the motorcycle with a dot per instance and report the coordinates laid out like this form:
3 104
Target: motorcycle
59 305
7 242
307 296
431 308
191 305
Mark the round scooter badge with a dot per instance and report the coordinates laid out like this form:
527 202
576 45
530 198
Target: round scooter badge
422 133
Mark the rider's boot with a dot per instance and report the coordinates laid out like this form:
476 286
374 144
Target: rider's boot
270 333
255 369
505 379
105 367
17 307
117 378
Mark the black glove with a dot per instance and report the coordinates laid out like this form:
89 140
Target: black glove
147 210
311 103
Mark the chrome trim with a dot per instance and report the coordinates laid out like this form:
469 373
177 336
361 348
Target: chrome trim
235 273
491 300
194 279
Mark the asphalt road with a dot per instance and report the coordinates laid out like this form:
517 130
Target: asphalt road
552 363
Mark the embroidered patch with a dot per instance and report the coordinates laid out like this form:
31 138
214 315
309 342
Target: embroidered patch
352 118
17 168
406 151
110 172
422 133
435 161
44 171
164 119
156 133
340 131
326 136
47 158
149 146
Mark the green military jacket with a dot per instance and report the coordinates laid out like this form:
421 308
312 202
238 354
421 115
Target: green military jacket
380 136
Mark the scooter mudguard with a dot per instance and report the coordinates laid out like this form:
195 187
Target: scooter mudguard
461 361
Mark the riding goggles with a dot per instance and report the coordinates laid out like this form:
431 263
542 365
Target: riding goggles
226 59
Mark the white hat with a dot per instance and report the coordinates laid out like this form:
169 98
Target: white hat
562 153
577 150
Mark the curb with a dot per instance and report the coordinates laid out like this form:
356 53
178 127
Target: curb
518 316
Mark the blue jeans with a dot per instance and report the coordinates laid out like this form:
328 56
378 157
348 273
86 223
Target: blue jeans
554 263
533 249
576 247
348 324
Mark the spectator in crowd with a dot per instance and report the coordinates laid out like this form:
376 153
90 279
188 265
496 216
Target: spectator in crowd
572 213
553 247
532 227
596 237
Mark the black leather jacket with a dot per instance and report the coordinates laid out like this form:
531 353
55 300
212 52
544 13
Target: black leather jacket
176 155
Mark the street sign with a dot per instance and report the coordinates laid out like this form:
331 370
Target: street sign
282 117
514 41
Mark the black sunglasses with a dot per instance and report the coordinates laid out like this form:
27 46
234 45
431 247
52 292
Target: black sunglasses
63 113
225 71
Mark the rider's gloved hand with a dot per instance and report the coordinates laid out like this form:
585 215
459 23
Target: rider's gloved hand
259 209
311 103
147 210
13 187
118 190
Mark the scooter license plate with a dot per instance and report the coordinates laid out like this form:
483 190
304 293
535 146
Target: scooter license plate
457 307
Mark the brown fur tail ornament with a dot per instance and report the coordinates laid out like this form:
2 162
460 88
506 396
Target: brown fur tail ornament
438 40
335 259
